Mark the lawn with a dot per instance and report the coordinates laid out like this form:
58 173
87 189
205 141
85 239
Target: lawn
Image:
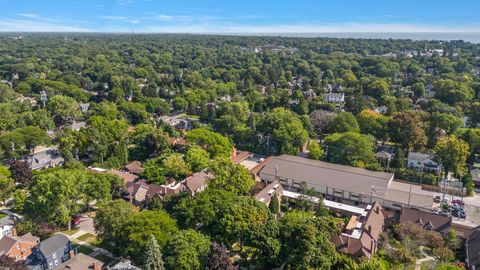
88 238
83 249
70 232
2 215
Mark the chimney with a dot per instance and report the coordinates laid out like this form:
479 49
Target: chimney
372 246
72 253
14 231
234 152
96 265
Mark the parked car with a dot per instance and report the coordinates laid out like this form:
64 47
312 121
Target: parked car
436 211
437 198
445 213
458 202
76 220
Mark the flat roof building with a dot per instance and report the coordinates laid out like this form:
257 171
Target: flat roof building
343 182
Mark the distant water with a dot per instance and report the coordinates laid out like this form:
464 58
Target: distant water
467 37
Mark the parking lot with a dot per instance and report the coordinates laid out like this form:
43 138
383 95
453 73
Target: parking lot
471 207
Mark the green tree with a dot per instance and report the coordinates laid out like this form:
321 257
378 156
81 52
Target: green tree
315 151
62 108
451 92
408 129
111 222
283 130
473 113
175 167
350 148
187 250
373 123
152 259
274 205
453 153
144 224
345 122
214 143
231 177
7 187
378 88
451 239
197 158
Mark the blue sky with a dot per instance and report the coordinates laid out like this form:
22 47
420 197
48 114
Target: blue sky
241 16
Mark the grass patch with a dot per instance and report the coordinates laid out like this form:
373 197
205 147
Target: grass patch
88 238
2 215
104 258
83 249
70 232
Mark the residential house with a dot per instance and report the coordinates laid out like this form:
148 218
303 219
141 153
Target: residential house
428 221
381 109
475 176
423 162
76 126
7 225
197 182
239 156
267 193
140 192
84 107
342 183
50 253
334 97
178 122
361 234
123 265
384 157
135 167
44 157
472 250
81 261
18 247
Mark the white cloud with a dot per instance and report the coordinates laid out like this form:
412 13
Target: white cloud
115 18
163 17
28 15
133 21
14 25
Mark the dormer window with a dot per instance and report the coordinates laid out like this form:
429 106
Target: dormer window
54 255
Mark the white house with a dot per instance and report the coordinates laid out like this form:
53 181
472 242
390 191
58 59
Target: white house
423 162
6 225
334 97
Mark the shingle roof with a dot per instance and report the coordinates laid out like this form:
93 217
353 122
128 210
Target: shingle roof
196 181
9 241
135 167
80 262
438 223
53 244
319 173
265 195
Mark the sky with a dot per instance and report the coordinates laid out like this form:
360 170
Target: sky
240 16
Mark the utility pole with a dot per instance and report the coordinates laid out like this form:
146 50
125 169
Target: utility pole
409 195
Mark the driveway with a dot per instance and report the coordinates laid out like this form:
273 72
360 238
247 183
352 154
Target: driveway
86 224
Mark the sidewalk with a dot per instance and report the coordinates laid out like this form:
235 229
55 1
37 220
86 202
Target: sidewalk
96 250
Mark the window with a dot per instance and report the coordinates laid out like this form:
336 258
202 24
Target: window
54 255
56 262
50 265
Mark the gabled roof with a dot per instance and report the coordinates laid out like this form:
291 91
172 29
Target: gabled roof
135 167
265 195
418 156
53 244
427 220
9 241
241 156
196 181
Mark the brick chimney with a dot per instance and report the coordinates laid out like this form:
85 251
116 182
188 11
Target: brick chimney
14 231
96 265
234 152
72 253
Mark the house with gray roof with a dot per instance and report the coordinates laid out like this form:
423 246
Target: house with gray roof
50 253
423 162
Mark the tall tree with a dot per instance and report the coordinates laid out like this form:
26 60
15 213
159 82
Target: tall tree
408 129
218 258
21 172
350 148
345 122
152 259
453 154
231 177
